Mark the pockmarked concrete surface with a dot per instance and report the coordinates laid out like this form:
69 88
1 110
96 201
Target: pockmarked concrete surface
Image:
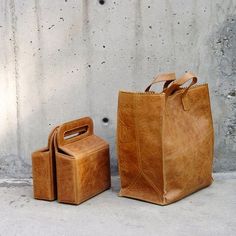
211 211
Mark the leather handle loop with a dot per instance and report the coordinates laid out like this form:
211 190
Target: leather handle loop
185 78
194 81
73 127
167 78
182 80
176 85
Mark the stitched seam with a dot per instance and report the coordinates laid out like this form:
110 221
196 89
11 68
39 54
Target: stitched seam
162 151
160 94
73 156
136 136
209 106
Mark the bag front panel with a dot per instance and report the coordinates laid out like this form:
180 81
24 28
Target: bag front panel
187 143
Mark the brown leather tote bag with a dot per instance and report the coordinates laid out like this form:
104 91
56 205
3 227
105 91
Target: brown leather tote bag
165 140
44 171
82 162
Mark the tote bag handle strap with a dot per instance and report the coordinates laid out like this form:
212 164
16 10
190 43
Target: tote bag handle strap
182 80
176 85
167 78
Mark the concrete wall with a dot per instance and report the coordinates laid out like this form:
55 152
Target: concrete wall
63 59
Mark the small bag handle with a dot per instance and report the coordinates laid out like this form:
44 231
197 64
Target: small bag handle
74 131
167 77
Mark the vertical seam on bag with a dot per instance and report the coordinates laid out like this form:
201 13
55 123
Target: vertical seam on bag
136 135
117 136
76 181
212 127
163 113
210 133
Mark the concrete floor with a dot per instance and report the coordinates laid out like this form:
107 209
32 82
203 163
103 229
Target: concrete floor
211 211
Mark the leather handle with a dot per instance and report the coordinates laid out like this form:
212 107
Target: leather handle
85 124
176 85
182 80
188 76
167 78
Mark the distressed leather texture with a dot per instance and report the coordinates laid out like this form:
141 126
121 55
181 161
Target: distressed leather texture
165 141
44 171
82 162
74 167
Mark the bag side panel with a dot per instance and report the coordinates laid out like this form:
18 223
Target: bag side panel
140 147
126 141
43 182
188 144
66 178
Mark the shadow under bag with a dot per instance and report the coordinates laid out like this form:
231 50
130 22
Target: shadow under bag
165 140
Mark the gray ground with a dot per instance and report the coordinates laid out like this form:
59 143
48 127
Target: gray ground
211 211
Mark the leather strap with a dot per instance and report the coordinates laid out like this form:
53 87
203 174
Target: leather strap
168 78
176 85
188 76
182 80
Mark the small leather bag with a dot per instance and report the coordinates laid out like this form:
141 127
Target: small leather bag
165 140
44 174
82 162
